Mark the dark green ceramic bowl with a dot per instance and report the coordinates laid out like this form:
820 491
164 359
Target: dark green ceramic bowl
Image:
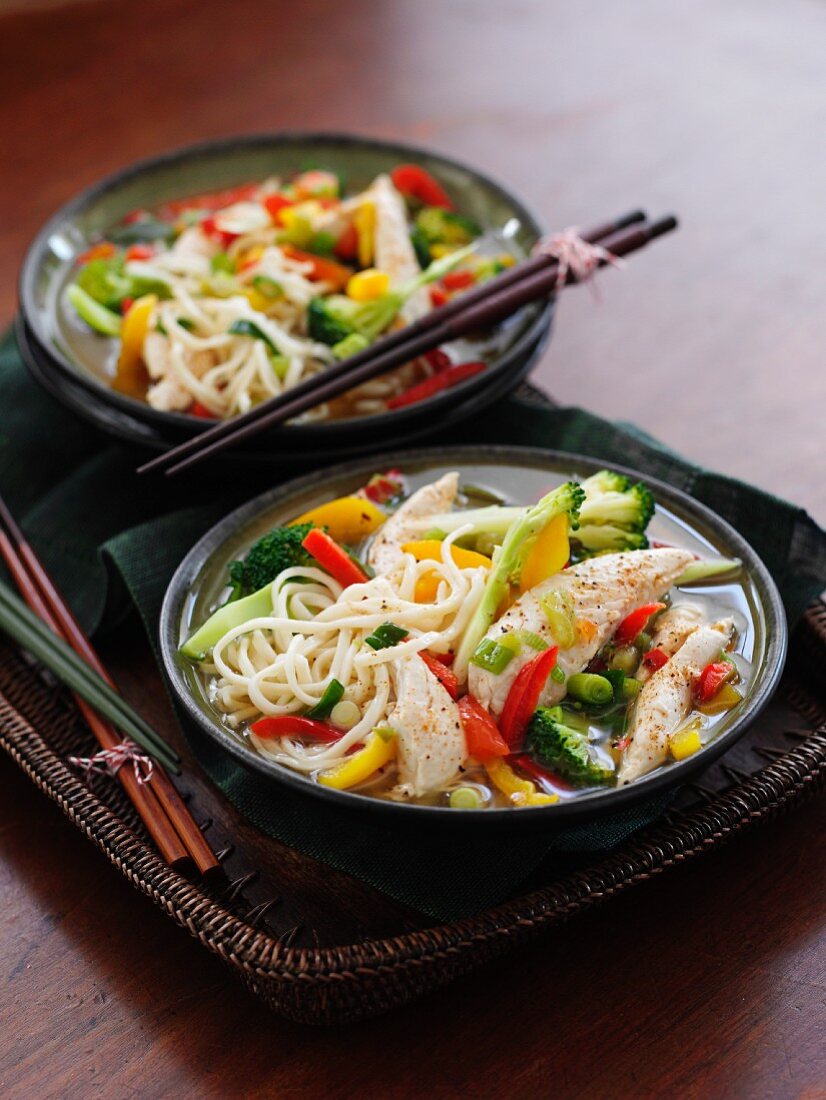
68 355
521 474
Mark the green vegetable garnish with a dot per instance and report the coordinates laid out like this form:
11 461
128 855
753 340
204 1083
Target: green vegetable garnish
278 550
565 749
385 636
589 687
492 656
245 327
332 695
95 315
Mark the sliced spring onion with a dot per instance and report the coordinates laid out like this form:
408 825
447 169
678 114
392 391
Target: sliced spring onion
352 344
267 286
222 262
332 694
96 316
280 364
527 637
345 715
385 636
708 570
492 656
589 687
557 675
559 611
466 798
244 327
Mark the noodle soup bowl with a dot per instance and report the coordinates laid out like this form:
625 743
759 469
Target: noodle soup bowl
78 366
519 475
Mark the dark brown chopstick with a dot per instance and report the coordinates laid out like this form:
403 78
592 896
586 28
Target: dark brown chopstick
539 262
479 314
160 807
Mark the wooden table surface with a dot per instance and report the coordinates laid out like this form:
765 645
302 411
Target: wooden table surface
711 980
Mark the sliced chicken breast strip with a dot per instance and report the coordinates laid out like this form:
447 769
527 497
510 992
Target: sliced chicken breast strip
602 591
667 698
673 627
385 553
432 744
394 252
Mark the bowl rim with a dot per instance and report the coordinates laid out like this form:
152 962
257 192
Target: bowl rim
37 250
587 806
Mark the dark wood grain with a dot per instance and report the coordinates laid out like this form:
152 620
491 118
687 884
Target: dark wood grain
706 983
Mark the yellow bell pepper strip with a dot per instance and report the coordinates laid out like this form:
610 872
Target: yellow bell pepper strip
379 749
521 792
366 285
685 742
347 519
548 555
724 699
133 333
364 221
431 550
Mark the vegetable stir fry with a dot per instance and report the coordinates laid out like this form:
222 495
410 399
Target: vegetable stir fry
224 300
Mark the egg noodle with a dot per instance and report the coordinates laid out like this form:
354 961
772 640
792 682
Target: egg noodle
282 663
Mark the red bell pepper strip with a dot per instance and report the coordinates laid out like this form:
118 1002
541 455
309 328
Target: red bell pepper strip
214 200
438 296
103 251
274 204
416 183
139 252
458 280
438 360
712 679
126 305
210 227
435 384
383 487
446 676
536 771
347 246
321 270
333 559
483 738
201 411
632 624
655 658
135 216
523 697
293 725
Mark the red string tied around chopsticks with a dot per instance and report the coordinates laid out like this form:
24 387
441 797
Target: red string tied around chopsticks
110 761
575 255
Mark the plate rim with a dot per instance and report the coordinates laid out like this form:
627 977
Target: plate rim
589 806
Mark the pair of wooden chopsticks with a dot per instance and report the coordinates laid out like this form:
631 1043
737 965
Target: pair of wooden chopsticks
161 808
472 311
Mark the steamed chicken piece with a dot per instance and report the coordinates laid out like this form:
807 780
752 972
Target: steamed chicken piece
394 253
167 393
432 744
602 591
667 699
673 627
386 551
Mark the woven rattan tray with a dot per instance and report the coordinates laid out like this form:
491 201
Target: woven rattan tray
321 948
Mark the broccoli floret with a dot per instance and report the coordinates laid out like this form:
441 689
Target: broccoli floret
278 550
331 319
565 749
439 226
615 514
508 562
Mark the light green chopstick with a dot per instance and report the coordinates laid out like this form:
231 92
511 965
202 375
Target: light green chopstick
25 628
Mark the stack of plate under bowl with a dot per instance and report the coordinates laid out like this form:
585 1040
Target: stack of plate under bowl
47 332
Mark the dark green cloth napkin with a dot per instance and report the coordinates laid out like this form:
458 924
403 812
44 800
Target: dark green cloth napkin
112 541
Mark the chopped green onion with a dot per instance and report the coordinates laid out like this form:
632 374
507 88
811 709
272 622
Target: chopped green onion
588 687
511 641
643 641
352 344
322 243
267 286
332 694
626 658
558 608
244 327
527 637
386 733
465 798
708 570
435 534
630 688
280 364
345 715
479 492
557 675
222 262
492 657
96 316
385 636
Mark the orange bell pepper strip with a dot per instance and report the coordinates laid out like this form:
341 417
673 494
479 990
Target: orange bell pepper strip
321 270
